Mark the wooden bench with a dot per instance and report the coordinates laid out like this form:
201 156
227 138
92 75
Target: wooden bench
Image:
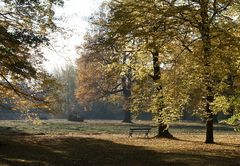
144 130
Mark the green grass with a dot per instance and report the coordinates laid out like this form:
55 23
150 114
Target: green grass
65 127
101 126
59 142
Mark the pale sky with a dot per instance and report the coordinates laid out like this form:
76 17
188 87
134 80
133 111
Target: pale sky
73 19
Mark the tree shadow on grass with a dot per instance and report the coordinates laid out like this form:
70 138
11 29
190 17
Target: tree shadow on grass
74 151
228 144
216 143
202 127
9 130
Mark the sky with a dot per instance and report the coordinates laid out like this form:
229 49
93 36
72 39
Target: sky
72 19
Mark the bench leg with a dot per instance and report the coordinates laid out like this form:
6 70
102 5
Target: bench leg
130 135
146 135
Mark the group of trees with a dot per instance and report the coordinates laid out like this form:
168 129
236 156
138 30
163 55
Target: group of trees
24 26
66 102
161 56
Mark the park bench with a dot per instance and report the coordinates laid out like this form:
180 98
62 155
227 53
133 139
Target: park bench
144 130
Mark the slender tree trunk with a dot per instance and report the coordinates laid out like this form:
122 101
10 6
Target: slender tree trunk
230 112
127 116
126 85
162 128
206 40
231 90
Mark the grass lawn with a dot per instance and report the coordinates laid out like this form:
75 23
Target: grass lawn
60 143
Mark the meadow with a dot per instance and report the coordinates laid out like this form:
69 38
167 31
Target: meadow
98 142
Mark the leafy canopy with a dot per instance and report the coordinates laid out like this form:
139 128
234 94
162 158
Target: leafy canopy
24 26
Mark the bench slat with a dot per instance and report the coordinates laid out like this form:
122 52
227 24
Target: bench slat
145 130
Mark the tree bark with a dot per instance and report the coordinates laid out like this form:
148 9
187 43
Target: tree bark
206 40
162 128
163 132
209 121
126 85
127 116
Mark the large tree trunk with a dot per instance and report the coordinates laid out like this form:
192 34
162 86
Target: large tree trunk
162 128
209 121
163 131
206 40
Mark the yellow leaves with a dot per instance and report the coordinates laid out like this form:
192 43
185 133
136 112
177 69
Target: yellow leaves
131 43
233 121
136 88
97 79
141 73
220 104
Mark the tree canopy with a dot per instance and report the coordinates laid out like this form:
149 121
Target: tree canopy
24 26
178 53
